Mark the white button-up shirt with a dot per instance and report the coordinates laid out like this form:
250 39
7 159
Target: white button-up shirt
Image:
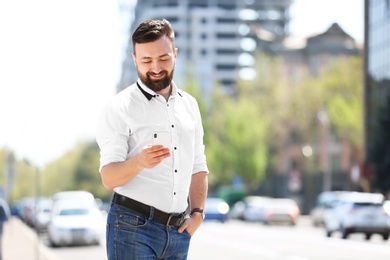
127 125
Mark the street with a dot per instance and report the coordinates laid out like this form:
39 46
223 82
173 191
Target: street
242 240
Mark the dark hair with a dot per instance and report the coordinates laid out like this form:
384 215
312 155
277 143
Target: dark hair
152 30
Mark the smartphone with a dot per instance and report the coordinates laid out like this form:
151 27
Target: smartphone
162 138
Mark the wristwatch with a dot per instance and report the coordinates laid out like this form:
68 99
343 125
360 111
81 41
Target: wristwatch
197 210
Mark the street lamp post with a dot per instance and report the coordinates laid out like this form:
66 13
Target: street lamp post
325 150
9 177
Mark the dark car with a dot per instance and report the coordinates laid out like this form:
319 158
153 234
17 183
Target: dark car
216 209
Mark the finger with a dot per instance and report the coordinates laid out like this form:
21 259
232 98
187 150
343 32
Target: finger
154 148
183 226
163 153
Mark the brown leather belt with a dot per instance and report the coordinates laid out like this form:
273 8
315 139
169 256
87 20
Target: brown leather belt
172 220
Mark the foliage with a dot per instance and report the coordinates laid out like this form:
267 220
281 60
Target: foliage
339 93
235 140
24 179
342 83
76 170
271 91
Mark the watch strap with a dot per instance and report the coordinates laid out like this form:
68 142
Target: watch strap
199 210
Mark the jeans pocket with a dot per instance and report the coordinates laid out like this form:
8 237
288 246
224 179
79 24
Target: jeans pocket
131 219
185 232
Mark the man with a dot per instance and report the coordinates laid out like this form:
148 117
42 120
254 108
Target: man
4 216
153 184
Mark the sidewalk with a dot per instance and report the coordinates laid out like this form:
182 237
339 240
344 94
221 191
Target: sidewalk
20 242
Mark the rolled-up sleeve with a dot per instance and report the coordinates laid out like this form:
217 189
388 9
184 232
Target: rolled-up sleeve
112 135
200 163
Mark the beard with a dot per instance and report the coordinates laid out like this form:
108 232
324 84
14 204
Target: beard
157 85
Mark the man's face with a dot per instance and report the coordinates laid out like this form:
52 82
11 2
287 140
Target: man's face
155 62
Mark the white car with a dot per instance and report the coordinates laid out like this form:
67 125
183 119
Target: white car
281 210
42 214
75 222
358 212
73 195
325 201
386 206
254 208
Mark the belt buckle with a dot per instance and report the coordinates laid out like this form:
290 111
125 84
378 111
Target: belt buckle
180 221
169 221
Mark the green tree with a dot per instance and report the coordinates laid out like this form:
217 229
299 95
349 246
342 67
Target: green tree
87 174
236 145
78 169
343 82
25 176
271 92
339 92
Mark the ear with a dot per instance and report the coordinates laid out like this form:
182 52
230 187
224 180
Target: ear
175 52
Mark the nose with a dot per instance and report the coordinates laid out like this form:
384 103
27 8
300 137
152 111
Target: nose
156 68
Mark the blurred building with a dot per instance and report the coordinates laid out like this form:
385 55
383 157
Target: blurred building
317 51
377 95
312 56
216 38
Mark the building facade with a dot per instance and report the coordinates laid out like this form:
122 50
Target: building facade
377 95
312 57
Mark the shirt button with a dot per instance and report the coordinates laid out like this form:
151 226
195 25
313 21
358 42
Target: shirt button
174 193
175 148
175 170
172 126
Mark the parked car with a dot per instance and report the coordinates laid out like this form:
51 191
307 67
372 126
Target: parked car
282 211
325 200
42 213
386 206
79 195
237 210
358 212
75 223
253 208
23 209
216 209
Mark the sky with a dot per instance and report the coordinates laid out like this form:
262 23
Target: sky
60 62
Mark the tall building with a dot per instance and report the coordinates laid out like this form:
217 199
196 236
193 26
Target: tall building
216 38
377 94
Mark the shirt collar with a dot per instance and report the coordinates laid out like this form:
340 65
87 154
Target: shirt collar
149 94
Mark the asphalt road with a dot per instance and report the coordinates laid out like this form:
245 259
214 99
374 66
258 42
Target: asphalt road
240 240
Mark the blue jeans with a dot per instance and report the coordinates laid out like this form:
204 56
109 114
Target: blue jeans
132 236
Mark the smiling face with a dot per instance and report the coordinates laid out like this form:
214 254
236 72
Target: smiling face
155 62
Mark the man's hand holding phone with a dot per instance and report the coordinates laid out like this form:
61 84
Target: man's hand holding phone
158 151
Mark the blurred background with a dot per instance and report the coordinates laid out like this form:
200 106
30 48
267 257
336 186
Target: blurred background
294 94
295 100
